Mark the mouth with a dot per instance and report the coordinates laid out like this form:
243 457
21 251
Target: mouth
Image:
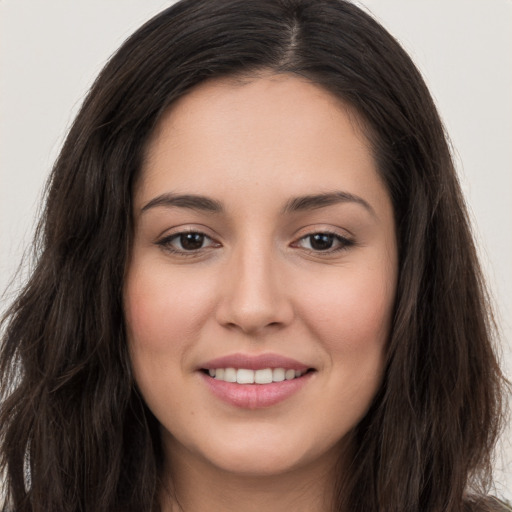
256 381
260 376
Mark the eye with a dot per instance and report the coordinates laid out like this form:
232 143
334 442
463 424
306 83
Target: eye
323 242
187 242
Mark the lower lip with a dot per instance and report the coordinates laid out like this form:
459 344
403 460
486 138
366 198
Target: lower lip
255 396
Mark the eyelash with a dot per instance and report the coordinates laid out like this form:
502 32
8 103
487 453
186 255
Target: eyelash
166 243
344 242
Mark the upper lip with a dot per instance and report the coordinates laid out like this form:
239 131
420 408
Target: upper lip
255 362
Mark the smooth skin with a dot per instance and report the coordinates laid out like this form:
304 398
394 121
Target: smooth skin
248 268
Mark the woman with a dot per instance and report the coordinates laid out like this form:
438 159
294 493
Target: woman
256 284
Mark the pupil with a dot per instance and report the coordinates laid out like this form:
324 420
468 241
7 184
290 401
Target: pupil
321 241
192 241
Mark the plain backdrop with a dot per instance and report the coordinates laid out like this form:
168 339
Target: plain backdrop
50 52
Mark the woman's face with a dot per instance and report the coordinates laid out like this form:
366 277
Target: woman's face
264 249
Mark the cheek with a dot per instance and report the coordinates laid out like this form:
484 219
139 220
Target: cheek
163 311
160 323
351 312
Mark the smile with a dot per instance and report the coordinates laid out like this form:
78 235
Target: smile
248 376
248 381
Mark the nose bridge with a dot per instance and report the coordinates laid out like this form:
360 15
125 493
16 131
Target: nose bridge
253 296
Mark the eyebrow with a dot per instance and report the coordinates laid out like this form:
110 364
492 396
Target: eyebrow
315 201
190 201
295 204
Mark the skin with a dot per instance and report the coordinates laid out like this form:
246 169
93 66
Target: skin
259 284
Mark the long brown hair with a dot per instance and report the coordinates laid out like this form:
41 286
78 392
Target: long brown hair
76 436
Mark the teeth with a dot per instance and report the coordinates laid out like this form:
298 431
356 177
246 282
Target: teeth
230 375
278 374
245 376
263 376
289 374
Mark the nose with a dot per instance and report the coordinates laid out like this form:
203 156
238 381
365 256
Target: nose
253 293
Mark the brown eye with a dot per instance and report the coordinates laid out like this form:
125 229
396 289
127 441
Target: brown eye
191 241
321 241
187 242
324 242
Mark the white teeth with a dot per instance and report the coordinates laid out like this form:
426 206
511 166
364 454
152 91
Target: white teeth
263 376
278 374
230 375
245 376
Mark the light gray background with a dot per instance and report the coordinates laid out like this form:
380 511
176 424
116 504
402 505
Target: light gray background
50 51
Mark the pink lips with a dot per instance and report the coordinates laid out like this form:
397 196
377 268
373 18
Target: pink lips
255 362
255 396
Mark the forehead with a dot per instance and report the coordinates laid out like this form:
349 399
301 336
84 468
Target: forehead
277 131
249 103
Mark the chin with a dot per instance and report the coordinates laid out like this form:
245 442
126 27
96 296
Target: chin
261 454
258 463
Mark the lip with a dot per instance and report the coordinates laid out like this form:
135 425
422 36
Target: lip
254 362
255 396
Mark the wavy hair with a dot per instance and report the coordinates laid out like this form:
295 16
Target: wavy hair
75 434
